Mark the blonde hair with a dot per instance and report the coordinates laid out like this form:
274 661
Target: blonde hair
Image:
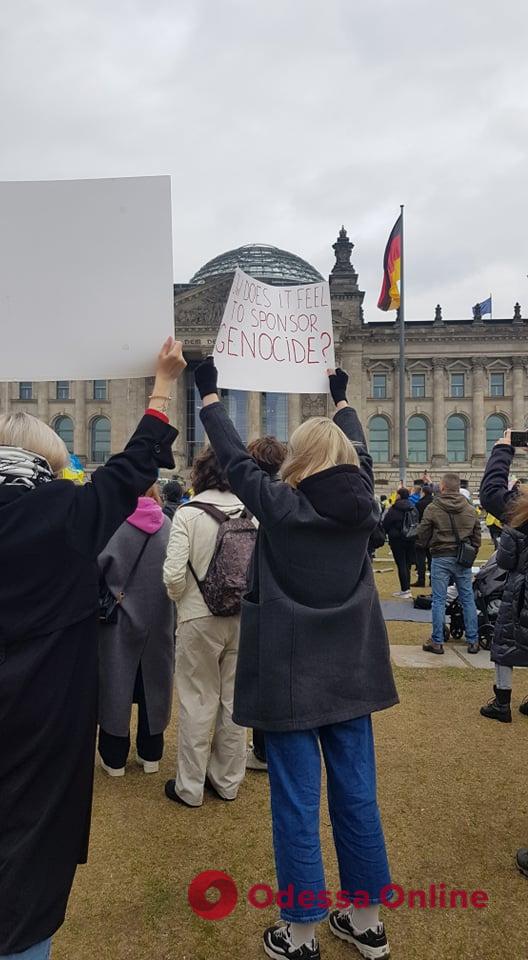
27 432
517 512
316 445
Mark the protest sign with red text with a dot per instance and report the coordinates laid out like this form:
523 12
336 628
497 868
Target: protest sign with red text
275 339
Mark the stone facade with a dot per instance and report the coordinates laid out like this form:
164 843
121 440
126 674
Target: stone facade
470 370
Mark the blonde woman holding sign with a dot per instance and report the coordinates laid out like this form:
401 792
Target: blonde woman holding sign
313 663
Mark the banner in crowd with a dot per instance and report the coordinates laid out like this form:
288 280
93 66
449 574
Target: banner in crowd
275 339
86 272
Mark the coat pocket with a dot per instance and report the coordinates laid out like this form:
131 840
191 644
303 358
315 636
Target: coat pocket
265 657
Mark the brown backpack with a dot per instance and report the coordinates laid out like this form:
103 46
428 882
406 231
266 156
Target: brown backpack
226 579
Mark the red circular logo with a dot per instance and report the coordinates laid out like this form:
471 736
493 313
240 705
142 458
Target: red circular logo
212 880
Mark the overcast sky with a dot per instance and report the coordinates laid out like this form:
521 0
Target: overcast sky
280 120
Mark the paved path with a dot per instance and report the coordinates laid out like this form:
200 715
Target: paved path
406 655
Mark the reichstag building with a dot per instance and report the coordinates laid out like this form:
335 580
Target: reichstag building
465 380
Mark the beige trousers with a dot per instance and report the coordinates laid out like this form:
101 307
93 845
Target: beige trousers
206 656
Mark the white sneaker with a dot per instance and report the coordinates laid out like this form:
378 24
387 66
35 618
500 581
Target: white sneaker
253 762
406 595
112 771
149 766
400 593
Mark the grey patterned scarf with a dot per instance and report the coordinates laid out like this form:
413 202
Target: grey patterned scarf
22 468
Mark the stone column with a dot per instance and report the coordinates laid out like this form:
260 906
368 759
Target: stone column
294 412
351 361
518 411
254 416
478 431
4 405
43 401
80 427
178 417
439 434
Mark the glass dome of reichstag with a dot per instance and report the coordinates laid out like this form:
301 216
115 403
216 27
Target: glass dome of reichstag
262 261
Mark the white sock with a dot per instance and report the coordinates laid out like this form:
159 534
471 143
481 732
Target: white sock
364 918
301 933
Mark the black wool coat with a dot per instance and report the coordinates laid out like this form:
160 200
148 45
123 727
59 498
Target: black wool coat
49 542
510 641
313 644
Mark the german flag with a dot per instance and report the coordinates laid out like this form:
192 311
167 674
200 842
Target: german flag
389 298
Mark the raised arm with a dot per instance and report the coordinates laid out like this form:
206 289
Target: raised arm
99 507
268 500
347 419
494 494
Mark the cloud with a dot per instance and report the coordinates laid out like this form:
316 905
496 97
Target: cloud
280 121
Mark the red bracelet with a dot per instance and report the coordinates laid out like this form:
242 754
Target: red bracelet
158 414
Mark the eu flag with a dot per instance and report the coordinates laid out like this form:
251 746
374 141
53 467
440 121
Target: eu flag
485 307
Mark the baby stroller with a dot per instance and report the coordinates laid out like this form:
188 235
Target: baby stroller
488 587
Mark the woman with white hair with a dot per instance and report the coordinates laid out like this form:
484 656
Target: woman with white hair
51 533
313 664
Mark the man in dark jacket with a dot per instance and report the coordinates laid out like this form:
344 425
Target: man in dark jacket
423 556
172 494
447 521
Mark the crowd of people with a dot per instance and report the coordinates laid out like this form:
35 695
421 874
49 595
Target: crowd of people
264 573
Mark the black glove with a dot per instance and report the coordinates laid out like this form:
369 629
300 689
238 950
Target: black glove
338 385
206 377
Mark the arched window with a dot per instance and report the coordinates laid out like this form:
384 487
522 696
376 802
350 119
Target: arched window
275 415
379 440
495 427
417 440
100 440
457 451
63 426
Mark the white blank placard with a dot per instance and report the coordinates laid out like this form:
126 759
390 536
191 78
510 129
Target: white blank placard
86 286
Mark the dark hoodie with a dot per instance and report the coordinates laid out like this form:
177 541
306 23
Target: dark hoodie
393 519
436 531
313 643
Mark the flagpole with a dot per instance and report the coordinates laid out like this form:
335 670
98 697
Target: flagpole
401 313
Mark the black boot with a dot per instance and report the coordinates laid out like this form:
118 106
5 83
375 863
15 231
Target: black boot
522 861
523 708
499 707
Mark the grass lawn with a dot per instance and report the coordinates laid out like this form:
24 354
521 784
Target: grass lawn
455 805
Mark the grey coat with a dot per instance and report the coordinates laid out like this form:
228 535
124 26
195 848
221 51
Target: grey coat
313 644
143 635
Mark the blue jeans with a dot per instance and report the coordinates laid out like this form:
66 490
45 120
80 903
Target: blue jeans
294 766
40 951
442 569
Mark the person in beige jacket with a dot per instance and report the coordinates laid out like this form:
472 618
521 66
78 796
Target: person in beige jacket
206 649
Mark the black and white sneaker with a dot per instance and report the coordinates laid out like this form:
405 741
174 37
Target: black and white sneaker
372 943
278 943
